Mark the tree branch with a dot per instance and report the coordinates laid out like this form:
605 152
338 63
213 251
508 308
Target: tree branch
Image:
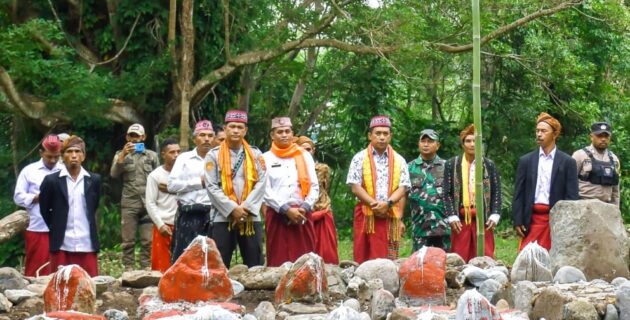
14 97
226 28
507 28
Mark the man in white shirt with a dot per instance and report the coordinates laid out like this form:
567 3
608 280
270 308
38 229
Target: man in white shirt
290 193
162 206
27 196
235 178
187 179
543 177
68 202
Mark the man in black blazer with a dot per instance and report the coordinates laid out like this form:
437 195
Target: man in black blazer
543 177
68 203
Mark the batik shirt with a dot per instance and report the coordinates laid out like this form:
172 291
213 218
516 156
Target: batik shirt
425 199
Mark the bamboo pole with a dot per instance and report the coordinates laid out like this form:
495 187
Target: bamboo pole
477 120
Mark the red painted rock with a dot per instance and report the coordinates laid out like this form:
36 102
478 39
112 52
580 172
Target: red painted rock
305 281
422 277
72 315
70 288
198 275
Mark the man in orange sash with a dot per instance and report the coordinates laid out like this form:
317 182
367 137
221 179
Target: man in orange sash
379 177
235 179
459 199
290 194
162 206
543 177
323 221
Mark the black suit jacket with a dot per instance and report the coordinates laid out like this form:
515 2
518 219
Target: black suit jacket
53 204
564 184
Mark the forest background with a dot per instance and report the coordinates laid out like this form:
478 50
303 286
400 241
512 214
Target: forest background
94 67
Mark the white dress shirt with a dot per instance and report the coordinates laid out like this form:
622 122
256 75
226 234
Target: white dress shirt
355 173
161 206
543 180
77 238
185 179
27 187
282 189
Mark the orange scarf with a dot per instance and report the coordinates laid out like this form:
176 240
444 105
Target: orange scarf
369 183
251 177
293 151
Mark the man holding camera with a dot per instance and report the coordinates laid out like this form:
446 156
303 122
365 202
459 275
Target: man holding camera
134 163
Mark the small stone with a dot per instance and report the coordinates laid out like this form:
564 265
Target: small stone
365 316
301 308
453 280
5 304
344 264
344 313
17 296
150 291
502 305
383 269
579 310
482 262
549 304
474 275
611 312
249 317
103 283
523 295
11 279
141 278
237 270
568 274
454 260
617 282
38 289
382 304
237 287
623 301
34 305
353 303
113 314
265 311
497 276
489 288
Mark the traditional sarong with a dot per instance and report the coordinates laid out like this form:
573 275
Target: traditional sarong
464 243
325 236
287 242
86 260
539 229
190 222
161 250
368 246
37 253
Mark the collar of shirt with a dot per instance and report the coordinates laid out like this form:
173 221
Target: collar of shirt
374 153
592 149
83 173
420 161
551 156
195 154
41 165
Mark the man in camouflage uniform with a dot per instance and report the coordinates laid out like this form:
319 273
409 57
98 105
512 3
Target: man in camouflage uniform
429 224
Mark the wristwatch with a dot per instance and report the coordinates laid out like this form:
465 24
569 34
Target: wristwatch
390 203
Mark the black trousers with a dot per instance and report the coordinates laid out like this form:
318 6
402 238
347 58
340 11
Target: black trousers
190 222
250 246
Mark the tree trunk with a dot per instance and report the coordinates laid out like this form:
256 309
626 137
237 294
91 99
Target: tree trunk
13 224
186 74
300 87
248 83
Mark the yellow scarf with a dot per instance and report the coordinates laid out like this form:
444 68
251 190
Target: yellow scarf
251 177
369 182
468 197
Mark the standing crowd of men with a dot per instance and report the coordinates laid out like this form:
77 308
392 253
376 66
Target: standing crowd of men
226 189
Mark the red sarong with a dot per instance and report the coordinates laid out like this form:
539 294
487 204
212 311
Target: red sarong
539 229
373 245
37 253
287 242
325 236
161 250
86 260
464 243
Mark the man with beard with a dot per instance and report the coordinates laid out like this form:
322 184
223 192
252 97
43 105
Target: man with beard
378 176
162 206
236 185
460 201
68 202
290 194
187 179
27 196
598 168
543 177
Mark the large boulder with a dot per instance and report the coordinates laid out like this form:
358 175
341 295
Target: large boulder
549 304
422 277
305 282
383 269
70 288
589 235
532 264
472 305
198 275
11 279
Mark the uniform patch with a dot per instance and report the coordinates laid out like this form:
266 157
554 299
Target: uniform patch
209 166
261 159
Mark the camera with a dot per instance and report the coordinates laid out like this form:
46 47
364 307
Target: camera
139 147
